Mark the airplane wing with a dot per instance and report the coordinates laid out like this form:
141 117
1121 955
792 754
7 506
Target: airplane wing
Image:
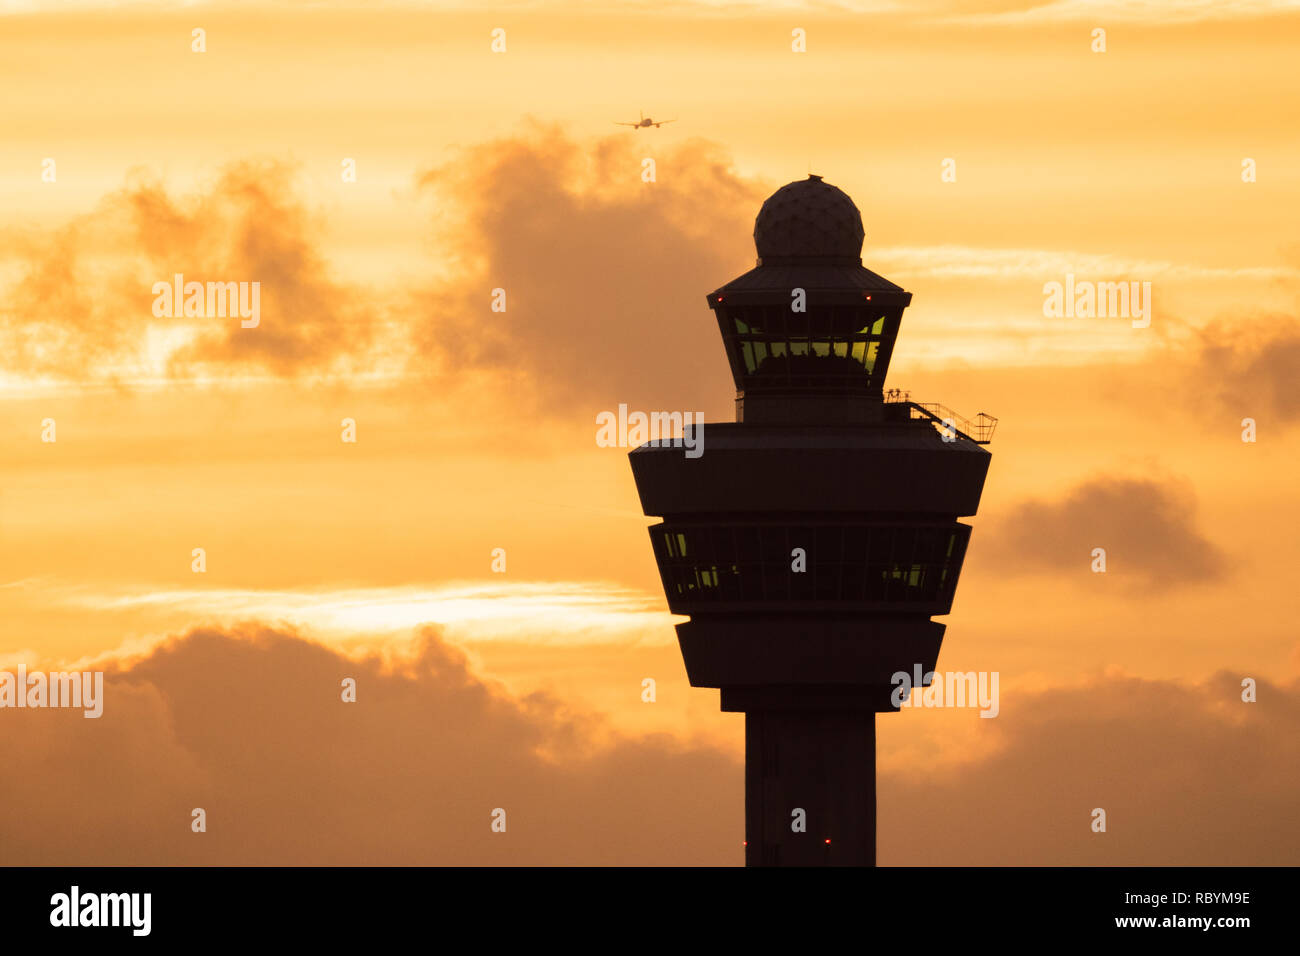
661 122
617 123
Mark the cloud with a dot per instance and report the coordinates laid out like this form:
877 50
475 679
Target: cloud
249 725
82 307
1187 775
1250 366
605 279
1012 12
605 276
973 11
1042 265
560 612
56 320
1146 526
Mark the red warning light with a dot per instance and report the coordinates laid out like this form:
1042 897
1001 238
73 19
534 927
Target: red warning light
828 842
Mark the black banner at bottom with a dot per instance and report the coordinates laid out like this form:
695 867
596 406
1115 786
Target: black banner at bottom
179 905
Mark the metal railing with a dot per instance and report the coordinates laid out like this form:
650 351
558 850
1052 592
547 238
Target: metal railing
979 430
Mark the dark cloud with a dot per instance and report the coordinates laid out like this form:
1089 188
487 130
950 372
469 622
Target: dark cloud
1187 775
605 275
1147 527
1251 368
249 726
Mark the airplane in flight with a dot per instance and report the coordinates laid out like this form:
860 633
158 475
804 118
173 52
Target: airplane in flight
645 122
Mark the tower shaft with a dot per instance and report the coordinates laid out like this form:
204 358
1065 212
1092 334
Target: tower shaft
810 788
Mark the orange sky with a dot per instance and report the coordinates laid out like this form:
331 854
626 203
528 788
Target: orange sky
476 429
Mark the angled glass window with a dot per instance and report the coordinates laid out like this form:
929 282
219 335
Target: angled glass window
907 565
771 346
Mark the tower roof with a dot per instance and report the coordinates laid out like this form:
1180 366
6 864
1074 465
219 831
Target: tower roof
809 221
809 234
809 331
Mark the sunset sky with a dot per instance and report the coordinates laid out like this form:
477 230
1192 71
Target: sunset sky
478 170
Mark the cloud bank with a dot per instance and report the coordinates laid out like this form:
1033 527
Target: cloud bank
249 725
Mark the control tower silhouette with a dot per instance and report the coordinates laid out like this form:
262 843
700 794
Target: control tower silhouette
815 537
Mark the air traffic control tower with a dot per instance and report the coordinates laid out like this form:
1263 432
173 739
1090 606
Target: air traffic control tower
815 538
